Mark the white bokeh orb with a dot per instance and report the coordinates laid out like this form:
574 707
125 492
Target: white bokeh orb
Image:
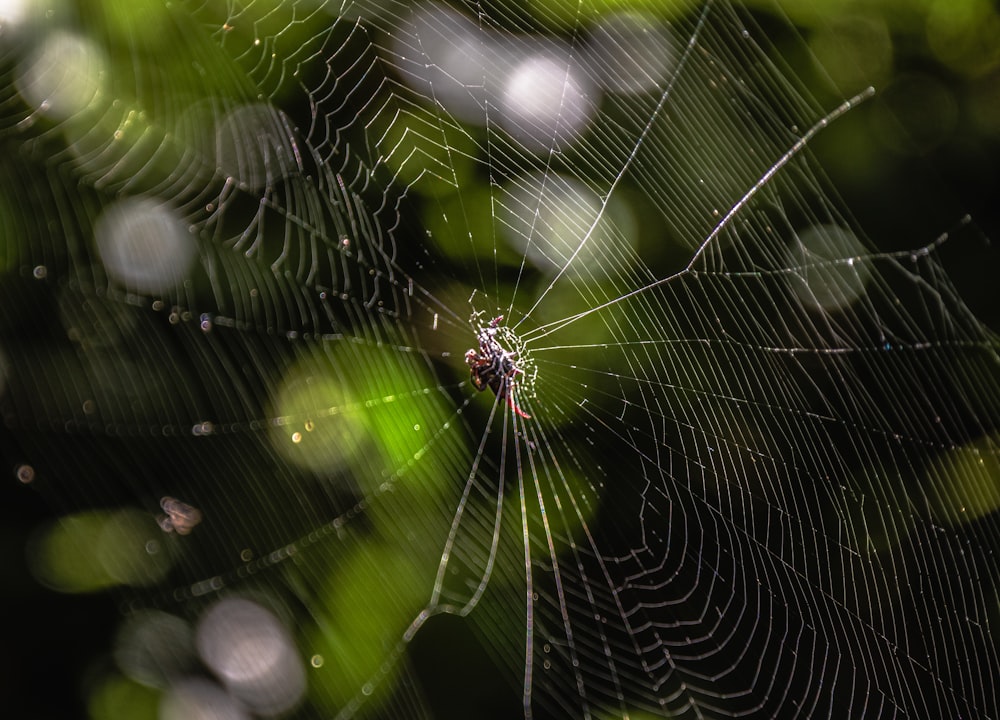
144 245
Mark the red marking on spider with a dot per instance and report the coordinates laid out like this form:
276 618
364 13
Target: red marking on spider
494 367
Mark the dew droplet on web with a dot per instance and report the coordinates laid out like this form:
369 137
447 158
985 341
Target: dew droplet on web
25 473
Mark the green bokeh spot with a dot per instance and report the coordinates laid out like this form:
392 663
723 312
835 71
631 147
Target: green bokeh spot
462 227
426 154
369 604
63 557
133 549
118 698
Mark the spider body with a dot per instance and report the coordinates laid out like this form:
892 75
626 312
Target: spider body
494 367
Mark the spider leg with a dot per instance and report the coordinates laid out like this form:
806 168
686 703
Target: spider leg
513 406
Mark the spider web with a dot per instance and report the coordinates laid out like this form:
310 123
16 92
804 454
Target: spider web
247 248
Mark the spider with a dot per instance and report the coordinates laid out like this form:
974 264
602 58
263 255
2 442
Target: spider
494 367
